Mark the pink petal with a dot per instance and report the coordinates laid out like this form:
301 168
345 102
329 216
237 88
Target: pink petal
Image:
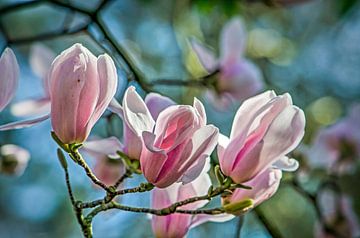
283 135
107 146
31 107
136 114
157 103
152 159
116 108
232 41
206 57
41 58
203 142
200 219
175 225
9 77
23 124
241 79
200 109
286 164
222 144
247 110
264 186
107 84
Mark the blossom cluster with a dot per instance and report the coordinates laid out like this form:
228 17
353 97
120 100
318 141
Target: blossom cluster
171 143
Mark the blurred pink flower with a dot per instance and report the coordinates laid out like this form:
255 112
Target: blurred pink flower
177 225
13 159
265 128
338 215
239 78
81 88
264 186
176 145
41 58
108 167
337 147
9 77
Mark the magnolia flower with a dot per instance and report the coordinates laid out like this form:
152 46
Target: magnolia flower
337 214
41 58
132 143
81 87
108 167
175 145
337 147
177 225
9 77
264 186
13 159
265 128
239 78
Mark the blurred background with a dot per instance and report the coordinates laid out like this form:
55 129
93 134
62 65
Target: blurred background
310 49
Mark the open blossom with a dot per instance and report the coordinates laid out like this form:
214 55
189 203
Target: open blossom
175 145
108 167
177 225
132 142
81 88
264 186
239 78
337 147
13 159
9 77
265 129
338 214
41 58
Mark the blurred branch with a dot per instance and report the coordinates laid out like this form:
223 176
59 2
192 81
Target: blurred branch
273 231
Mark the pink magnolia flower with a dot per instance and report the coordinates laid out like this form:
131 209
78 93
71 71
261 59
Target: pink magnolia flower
177 225
265 128
13 159
239 78
337 214
41 58
175 146
9 77
132 143
81 88
108 167
264 186
337 147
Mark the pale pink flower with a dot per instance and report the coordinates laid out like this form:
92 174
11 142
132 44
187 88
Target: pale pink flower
132 143
81 88
337 148
108 167
239 78
337 214
264 186
9 77
13 159
40 58
177 225
265 129
175 145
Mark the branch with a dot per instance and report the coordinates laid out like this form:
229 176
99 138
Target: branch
273 231
157 212
76 156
